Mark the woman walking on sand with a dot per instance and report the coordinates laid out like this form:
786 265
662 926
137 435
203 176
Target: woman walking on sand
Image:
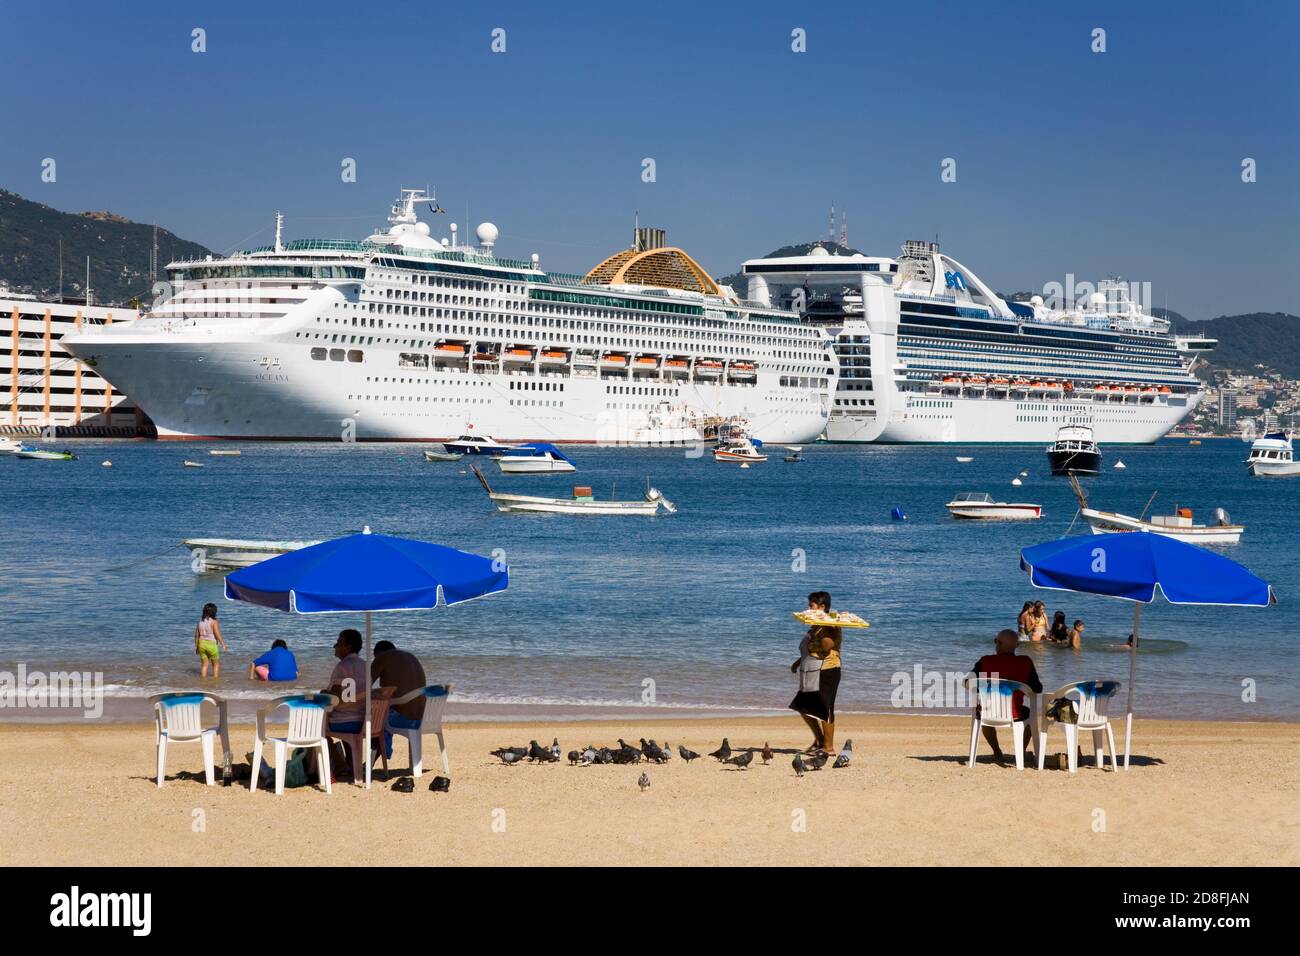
207 634
819 670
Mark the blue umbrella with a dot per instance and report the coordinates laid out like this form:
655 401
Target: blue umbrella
367 572
1134 566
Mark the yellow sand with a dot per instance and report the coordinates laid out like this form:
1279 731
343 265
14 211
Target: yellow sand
1198 793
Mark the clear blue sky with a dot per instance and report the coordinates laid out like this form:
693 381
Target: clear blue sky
1126 162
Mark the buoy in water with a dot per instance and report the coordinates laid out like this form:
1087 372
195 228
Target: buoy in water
744 464
1024 474
1017 482
1120 466
107 464
897 514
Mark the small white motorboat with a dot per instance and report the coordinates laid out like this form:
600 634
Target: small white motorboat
106 463
583 502
796 453
980 505
965 459
193 464
1120 466
1272 457
8 446
535 458
36 454
477 445
228 554
739 449
1074 451
441 456
225 452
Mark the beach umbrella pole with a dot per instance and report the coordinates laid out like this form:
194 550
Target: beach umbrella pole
366 742
1132 673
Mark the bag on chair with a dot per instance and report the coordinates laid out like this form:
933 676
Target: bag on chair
1063 711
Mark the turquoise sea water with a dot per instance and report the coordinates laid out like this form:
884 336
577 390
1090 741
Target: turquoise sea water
698 603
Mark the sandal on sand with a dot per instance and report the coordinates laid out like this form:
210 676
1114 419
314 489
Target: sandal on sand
813 750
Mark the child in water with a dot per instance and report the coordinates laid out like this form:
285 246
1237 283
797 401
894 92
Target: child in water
207 634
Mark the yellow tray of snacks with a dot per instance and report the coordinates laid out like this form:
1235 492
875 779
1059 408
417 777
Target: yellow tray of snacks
833 619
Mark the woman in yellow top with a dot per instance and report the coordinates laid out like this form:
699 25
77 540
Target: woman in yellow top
818 668
206 636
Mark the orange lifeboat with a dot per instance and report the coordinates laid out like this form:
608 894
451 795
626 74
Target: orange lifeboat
449 348
1166 390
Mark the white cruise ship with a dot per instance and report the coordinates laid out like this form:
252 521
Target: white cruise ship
405 336
928 353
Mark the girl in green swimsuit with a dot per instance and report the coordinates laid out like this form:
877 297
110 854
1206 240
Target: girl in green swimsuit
206 637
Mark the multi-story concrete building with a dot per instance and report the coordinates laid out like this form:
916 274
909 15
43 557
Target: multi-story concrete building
41 385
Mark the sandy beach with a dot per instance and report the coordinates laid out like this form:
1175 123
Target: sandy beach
1197 793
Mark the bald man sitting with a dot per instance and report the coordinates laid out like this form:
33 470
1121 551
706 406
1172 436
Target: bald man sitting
1008 665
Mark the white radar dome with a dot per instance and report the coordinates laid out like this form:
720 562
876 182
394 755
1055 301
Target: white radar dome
422 228
1036 300
486 233
1097 300
818 251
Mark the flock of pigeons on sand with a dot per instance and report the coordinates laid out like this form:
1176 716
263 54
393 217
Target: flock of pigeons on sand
651 752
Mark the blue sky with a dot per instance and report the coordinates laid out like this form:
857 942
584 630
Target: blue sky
1126 162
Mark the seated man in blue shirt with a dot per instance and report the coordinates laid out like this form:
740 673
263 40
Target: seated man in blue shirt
277 664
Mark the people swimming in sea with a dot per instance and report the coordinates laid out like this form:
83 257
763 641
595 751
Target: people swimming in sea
1025 622
1075 638
1039 625
277 664
1059 633
207 635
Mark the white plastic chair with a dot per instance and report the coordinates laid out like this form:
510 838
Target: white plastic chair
1091 699
307 714
996 699
435 696
178 719
380 700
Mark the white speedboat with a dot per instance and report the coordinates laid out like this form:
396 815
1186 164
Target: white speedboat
1178 525
1272 457
980 505
228 554
477 445
535 458
225 453
583 502
8 446
667 424
36 454
744 450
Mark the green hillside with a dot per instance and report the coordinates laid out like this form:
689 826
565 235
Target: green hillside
119 251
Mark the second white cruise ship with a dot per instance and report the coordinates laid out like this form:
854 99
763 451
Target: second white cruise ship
928 353
404 336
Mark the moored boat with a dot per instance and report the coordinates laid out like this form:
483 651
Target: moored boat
1074 451
979 505
36 454
1272 457
583 502
443 456
740 449
477 445
227 554
1178 525
535 458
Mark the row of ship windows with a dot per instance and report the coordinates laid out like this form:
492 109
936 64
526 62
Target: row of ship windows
437 328
931 404
519 290
927 347
802 381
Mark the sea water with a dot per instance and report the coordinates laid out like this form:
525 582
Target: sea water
690 612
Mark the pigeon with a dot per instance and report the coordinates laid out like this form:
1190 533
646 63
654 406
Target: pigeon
644 782
588 756
548 757
666 750
535 752
844 757
555 747
797 763
687 755
723 752
652 751
508 757
767 753
627 755
517 751
604 756
743 761
817 762
574 757
624 744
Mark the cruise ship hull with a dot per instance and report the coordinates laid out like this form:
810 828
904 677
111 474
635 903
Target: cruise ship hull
1005 421
263 389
